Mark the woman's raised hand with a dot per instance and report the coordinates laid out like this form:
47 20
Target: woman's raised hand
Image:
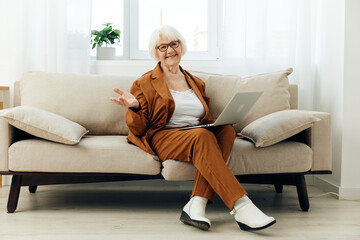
126 99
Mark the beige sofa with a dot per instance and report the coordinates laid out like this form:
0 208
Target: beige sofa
103 154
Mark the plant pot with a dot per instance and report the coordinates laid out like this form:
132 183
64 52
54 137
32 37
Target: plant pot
105 53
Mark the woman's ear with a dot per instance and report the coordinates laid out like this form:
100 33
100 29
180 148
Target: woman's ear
157 56
182 49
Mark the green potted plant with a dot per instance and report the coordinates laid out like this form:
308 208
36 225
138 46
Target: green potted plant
107 36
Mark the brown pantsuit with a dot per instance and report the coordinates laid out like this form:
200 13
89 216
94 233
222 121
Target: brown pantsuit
208 149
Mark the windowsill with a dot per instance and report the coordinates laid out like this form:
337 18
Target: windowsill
146 61
121 62
151 62
4 87
139 67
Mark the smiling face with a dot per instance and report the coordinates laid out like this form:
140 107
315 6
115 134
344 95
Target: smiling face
172 56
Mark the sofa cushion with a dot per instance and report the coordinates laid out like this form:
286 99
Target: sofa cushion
277 127
45 124
275 97
81 98
245 158
94 154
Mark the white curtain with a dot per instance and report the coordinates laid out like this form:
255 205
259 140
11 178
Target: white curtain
44 35
268 35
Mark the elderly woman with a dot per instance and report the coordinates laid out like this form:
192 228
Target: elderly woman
168 97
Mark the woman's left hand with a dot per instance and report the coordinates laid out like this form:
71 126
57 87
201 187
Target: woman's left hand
126 99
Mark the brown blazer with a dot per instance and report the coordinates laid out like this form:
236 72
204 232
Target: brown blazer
157 106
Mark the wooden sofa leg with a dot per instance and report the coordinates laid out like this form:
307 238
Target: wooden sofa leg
278 187
32 189
14 193
302 192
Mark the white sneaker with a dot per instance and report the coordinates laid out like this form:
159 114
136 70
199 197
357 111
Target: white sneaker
249 217
194 213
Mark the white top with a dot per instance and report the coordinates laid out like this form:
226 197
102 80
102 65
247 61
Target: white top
188 109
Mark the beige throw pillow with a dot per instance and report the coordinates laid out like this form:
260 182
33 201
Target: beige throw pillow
275 88
44 124
277 126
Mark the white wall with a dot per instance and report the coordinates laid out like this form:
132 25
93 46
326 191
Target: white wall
338 93
350 176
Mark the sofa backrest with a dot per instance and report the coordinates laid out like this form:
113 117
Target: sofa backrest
85 98
78 97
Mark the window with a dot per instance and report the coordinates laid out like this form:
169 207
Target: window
136 19
108 11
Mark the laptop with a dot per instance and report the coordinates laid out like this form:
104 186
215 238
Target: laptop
235 111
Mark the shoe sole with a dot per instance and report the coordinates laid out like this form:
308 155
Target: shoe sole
245 227
185 218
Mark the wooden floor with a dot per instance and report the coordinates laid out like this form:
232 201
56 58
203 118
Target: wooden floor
151 210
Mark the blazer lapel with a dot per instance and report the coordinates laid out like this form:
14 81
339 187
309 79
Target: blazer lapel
162 89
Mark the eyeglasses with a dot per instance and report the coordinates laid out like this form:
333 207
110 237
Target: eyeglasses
164 47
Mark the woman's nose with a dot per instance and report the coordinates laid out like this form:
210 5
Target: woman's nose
170 50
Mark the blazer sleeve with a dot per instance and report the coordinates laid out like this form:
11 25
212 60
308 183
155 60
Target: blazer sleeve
138 121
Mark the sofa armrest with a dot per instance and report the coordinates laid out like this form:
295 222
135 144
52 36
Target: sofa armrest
6 136
318 137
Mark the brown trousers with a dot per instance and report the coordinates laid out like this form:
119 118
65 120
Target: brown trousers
208 149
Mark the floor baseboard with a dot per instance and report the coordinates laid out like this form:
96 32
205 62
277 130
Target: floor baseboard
325 185
309 180
350 193
345 193
6 180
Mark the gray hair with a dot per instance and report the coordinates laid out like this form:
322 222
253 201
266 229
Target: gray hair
169 32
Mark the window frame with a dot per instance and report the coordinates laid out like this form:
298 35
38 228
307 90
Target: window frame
211 54
131 50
